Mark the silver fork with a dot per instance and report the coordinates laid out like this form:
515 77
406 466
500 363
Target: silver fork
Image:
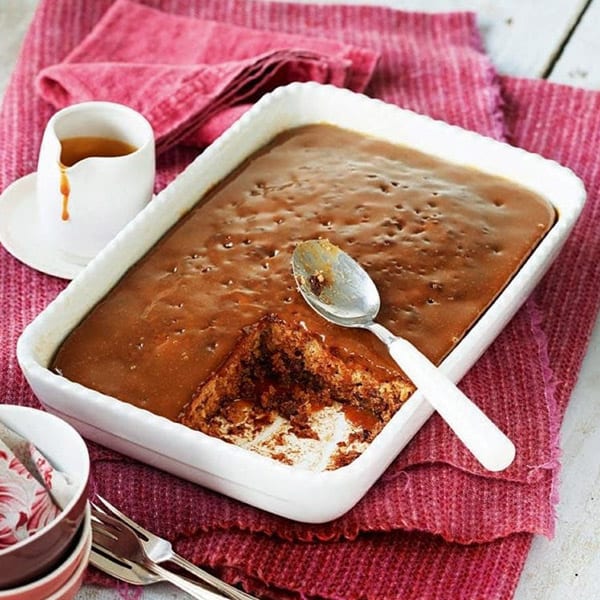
121 568
117 540
125 570
160 550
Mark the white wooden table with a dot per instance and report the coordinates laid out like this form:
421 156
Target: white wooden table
558 40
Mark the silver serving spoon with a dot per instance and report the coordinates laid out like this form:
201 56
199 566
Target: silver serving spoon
342 292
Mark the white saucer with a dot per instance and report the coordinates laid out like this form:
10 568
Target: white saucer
20 231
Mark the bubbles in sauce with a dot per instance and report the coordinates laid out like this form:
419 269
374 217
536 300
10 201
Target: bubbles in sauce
440 241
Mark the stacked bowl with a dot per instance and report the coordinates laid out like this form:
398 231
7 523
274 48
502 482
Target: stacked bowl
49 563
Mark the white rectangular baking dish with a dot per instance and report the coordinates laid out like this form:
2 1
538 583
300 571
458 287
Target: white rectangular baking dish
285 490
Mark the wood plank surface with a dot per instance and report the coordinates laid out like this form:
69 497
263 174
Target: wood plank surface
530 38
15 16
522 36
579 63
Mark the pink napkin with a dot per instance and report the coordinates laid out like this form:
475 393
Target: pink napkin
193 77
435 525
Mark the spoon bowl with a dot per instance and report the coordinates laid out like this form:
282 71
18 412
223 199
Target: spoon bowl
334 284
341 291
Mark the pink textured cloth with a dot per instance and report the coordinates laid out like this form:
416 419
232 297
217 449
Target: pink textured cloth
192 78
435 525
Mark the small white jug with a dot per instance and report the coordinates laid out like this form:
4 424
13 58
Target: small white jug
82 206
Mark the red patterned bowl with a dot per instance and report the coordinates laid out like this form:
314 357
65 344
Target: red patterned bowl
63 582
39 554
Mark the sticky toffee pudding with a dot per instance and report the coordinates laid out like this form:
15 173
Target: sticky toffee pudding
208 328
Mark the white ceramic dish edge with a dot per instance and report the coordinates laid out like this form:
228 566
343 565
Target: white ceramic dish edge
287 491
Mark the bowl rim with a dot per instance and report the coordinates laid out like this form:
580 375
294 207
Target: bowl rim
77 574
75 557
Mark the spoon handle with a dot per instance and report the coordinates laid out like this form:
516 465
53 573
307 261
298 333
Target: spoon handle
481 436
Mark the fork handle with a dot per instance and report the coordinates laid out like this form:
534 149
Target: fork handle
227 590
193 589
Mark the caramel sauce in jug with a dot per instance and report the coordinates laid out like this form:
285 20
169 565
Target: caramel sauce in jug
75 149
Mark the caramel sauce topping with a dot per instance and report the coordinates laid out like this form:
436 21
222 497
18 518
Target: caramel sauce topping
440 241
